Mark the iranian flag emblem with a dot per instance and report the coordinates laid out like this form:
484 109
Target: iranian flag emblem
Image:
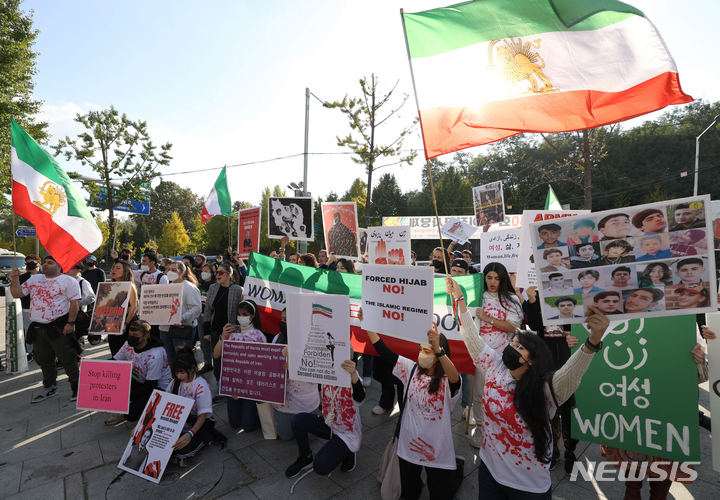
321 310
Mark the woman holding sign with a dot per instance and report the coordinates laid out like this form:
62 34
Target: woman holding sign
122 271
182 334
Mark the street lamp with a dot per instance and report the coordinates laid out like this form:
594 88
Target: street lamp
697 152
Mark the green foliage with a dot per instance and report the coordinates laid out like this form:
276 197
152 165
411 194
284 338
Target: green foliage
174 239
141 235
387 199
358 194
169 197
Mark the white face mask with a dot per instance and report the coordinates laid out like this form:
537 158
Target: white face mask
145 269
205 276
425 361
172 276
244 320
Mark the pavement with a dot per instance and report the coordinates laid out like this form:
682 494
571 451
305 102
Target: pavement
51 450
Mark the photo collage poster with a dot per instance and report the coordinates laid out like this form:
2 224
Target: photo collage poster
644 261
489 204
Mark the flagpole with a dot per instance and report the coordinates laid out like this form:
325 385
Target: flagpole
427 161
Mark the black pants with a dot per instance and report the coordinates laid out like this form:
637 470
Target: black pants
389 383
115 342
442 483
201 438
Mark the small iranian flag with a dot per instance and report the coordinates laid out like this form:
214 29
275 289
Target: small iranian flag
491 69
218 201
551 202
321 310
43 194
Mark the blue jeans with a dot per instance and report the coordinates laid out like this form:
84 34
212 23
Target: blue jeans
172 344
367 368
492 490
243 414
466 383
331 454
284 425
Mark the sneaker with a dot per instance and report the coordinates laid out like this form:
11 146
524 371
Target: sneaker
218 437
348 465
206 368
48 393
476 437
569 462
468 413
115 419
217 399
378 410
300 465
73 397
367 381
553 463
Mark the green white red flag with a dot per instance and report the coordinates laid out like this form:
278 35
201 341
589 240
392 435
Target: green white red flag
552 202
43 193
491 69
218 201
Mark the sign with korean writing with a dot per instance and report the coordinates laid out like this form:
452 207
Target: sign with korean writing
425 228
389 245
161 304
104 386
502 247
251 370
457 230
340 226
640 391
111 305
248 231
645 261
319 338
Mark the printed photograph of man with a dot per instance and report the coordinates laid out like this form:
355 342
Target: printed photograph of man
549 236
617 252
607 302
615 226
557 284
587 280
557 260
583 231
687 217
650 220
652 247
690 242
622 278
690 271
585 255
644 300
690 296
566 308
137 459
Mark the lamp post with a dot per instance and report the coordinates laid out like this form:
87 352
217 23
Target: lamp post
697 152
303 244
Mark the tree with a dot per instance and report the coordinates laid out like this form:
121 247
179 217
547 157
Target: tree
387 198
115 148
358 194
141 235
174 239
364 116
169 197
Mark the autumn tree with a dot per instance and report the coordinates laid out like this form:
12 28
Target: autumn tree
168 197
174 239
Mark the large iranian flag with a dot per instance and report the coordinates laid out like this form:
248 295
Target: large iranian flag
490 69
43 193
270 280
218 201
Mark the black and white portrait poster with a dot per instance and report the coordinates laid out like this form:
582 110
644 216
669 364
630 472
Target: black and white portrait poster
489 203
292 217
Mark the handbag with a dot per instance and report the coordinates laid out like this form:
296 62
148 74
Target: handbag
180 332
267 420
389 474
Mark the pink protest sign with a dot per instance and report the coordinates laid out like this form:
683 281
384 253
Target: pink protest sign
104 386
253 371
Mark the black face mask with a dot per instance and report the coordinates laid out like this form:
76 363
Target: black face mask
31 266
125 257
162 269
437 264
133 341
283 327
511 358
90 263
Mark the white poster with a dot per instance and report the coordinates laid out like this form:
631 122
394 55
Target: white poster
148 451
489 203
713 357
425 228
502 247
161 304
389 245
398 301
15 355
457 230
318 338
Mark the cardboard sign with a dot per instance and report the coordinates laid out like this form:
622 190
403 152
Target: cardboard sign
457 230
398 300
319 338
340 225
248 231
15 355
251 370
646 261
111 305
149 449
161 304
363 238
104 386
390 245
291 217
425 228
502 247
489 204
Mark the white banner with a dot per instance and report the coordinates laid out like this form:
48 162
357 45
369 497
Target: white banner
502 247
161 304
425 228
389 245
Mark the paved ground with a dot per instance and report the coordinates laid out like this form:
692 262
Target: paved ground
52 451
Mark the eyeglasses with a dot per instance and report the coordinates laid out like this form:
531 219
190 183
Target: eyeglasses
220 273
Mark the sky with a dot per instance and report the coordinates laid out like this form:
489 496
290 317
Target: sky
224 81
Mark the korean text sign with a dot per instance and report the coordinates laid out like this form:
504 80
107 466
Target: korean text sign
502 247
161 304
104 386
251 370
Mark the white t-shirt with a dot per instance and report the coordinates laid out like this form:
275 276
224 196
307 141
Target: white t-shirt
50 297
147 365
148 278
347 417
493 336
199 391
252 335
426 428
300 397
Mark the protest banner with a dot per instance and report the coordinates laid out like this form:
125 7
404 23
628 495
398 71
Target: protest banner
318 338
502 247
161 304
148 451
646 261
340 225
15 355
457 230
111 305
526 274
489 203
640 391
389 245
251 370
291 217
248 231
713 359
104 386
398 300
425 228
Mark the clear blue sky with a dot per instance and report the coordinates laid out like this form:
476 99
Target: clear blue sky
224 81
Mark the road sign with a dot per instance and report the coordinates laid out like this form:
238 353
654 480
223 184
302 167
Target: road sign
103 191
26 232
131 206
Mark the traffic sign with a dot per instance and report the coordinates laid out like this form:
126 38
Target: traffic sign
26 232
131 206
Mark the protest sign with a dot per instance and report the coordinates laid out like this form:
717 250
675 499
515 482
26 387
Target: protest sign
104 386
340 225
502 247
489 203
111 305
319 338
291 217
640 391
251 370
457 230
526 275
713 359
425 228
363 238
148 451
248 231
398 300
390 245
15 355
646 261
161 304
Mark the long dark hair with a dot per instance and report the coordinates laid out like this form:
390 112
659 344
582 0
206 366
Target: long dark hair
184 362
505 290
529 397
250 307
439 373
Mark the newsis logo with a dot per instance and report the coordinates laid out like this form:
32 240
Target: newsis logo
603 472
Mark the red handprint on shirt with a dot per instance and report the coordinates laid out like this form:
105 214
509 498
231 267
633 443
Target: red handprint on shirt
417 445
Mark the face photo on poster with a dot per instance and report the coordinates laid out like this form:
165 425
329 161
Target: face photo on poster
110 311
564 307
340 225
389 245
557 283
161 304
248 231
457 230
489 203
291 217
363 238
